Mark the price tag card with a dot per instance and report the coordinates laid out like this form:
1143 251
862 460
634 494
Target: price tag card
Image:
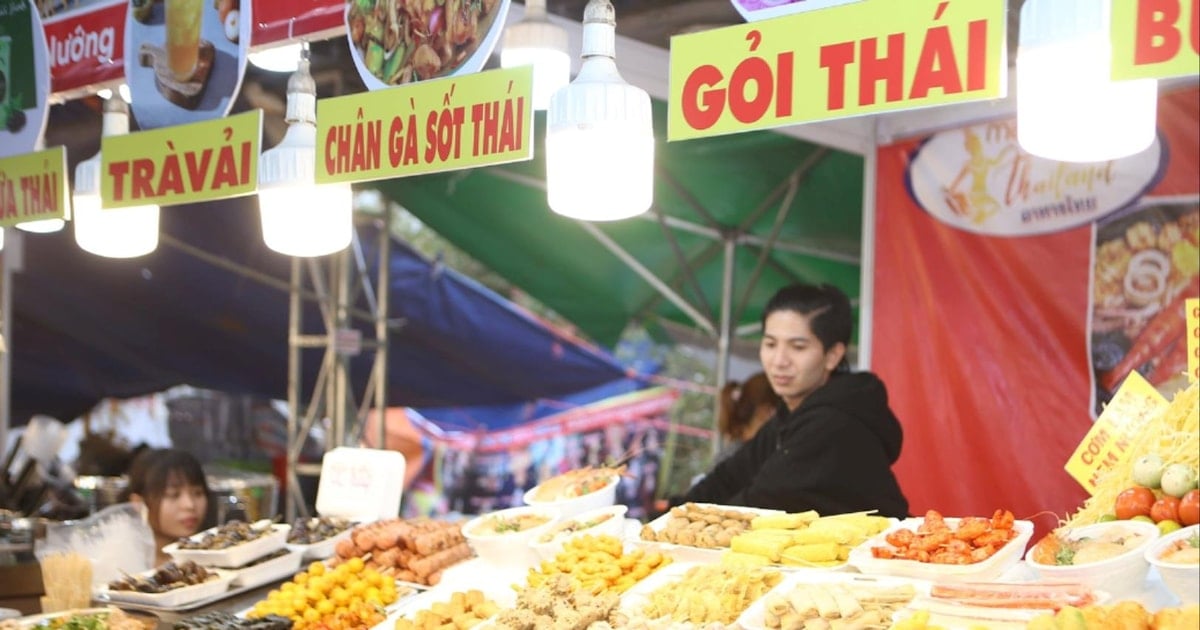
361 484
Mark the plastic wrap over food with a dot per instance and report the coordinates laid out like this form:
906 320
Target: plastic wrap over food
117 540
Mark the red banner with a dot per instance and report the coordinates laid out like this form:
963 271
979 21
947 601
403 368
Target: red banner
1008 302
277 21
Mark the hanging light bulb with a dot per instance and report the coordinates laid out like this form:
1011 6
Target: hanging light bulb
299 217
45 226
117 232
1068 109
599 133
534 41
278 59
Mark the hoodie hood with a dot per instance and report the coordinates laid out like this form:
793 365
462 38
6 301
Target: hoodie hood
863 396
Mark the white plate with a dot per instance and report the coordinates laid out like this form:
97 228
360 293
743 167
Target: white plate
500 592
33 620
322 549
176 597
274 569
688 553
990 569
755 616
235 556
634 600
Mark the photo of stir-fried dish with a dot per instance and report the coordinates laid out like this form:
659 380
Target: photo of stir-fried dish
400 41
1146 264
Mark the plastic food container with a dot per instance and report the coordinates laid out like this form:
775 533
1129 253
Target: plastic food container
573 506
235 556
1122 574
1181 579
173 598
508 548
1004 559
270 570
613 526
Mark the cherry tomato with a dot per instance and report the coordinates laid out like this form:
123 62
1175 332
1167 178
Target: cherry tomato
1189 508
1135 501
1165 509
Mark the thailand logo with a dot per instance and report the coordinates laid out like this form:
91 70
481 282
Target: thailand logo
979 180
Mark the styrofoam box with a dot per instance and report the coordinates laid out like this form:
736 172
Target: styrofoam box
755 616
688 553
271 570
173 598
635 599
1004 559
235 556
321 549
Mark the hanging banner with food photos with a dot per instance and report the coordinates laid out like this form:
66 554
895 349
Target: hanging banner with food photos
393 43
184 59
1032 289
24 77
86 41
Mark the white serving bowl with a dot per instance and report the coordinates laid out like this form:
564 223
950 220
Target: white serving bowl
510 548
613 526
1120 575
1181 579
574 506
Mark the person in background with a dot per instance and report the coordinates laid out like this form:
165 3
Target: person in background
744 408
831 446
172 485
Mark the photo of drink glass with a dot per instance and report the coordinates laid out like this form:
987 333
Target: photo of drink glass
184 18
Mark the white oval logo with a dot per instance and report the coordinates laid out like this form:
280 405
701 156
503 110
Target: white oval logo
977 179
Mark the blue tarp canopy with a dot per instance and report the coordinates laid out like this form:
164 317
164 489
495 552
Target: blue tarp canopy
87 327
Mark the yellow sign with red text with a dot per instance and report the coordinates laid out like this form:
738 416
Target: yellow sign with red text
33 186
427 127
1106 445
857 59
214 159
1192 306
1155 39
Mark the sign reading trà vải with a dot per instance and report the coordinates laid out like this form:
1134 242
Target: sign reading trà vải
214 159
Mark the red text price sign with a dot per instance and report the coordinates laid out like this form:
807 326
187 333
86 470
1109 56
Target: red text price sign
33 186
857 59
1155 39
1108 442
426 127
214 159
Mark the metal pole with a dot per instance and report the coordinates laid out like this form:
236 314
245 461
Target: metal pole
381 324
6 341
342 404
293 388
866 282
724 333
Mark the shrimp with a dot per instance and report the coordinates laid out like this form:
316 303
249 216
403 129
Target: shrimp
929 542
883 553
982 553
934 522
996 538
1002 519
945 556
900 538
972 527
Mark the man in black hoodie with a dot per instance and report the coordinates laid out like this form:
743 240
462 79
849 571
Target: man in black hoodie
831 444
